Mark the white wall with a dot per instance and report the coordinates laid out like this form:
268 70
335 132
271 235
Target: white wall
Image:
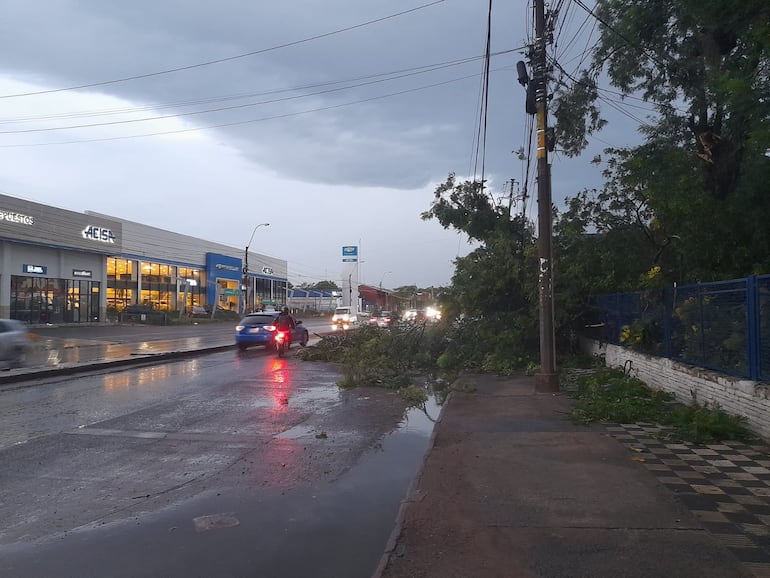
733 395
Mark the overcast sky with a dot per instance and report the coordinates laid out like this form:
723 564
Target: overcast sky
319 143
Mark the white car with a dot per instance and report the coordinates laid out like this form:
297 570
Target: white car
14 342
343 318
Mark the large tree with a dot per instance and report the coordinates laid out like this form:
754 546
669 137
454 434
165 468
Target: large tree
496 283
698 183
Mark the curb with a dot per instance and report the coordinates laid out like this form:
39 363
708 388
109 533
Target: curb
412 495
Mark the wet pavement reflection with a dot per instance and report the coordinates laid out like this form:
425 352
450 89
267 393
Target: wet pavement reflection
227 464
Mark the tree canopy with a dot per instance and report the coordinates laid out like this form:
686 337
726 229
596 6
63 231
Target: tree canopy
691 199
321 286
496 283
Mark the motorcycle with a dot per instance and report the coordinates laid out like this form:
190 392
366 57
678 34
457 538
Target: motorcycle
282 342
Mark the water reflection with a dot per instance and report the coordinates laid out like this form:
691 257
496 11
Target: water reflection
150 375
280 383
54 357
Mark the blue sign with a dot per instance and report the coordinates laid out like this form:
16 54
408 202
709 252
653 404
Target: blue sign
37 269
349 254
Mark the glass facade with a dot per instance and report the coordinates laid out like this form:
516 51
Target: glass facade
122 283
195 282
45 300
229 293
160 285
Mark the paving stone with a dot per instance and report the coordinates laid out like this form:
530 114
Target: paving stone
725 485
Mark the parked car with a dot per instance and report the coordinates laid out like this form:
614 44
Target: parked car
14 343
138 309
385 319
259 329
197 311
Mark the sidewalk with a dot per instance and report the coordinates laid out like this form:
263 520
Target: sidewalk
511 488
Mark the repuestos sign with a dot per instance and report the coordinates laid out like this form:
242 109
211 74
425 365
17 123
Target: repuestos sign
13 217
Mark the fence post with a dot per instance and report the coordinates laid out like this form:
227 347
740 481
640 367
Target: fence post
752 320
702 326
668 312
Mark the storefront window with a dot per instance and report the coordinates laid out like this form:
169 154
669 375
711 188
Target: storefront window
229 294
159 286
41 300
195 282
122 283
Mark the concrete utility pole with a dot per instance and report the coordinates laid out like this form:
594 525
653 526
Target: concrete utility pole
546 380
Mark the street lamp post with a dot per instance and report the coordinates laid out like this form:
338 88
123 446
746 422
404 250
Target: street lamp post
246 269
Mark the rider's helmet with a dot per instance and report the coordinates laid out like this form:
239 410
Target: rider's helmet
285 310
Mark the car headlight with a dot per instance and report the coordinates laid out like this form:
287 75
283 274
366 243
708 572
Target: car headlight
240 327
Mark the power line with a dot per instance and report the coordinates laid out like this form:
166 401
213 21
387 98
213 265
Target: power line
485 99
253 120
224 98
226 59
223 108
620 35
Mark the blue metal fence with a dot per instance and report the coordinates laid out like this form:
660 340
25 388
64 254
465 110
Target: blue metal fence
724 326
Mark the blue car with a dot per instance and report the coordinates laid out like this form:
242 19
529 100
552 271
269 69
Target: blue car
259 329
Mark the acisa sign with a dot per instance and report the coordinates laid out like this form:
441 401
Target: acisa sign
101 234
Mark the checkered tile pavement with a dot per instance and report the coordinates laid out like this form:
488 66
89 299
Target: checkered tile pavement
726 486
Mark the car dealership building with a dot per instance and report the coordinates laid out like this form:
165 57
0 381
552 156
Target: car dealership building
60 266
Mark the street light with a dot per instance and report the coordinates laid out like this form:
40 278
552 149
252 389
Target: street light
383 277
246 268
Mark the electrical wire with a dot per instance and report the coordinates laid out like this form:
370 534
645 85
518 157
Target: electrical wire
622 36
223 108
226 59
253 120
176 104
486 94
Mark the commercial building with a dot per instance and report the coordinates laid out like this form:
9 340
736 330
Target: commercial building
60 266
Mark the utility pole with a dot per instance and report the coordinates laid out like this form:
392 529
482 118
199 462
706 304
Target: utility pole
546 380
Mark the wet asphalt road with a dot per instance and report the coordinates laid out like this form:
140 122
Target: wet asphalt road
228 464
58 346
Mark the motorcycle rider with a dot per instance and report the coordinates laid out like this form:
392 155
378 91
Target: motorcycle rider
285 322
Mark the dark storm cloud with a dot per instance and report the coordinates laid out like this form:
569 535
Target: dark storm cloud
403 141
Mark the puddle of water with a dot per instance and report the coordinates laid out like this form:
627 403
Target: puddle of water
317 394
297 432
420 420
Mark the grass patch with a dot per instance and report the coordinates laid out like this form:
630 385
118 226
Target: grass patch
610 396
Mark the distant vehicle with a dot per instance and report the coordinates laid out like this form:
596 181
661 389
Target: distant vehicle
14 343
138 309
260 329
414 316
197 311
343 318
385 319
